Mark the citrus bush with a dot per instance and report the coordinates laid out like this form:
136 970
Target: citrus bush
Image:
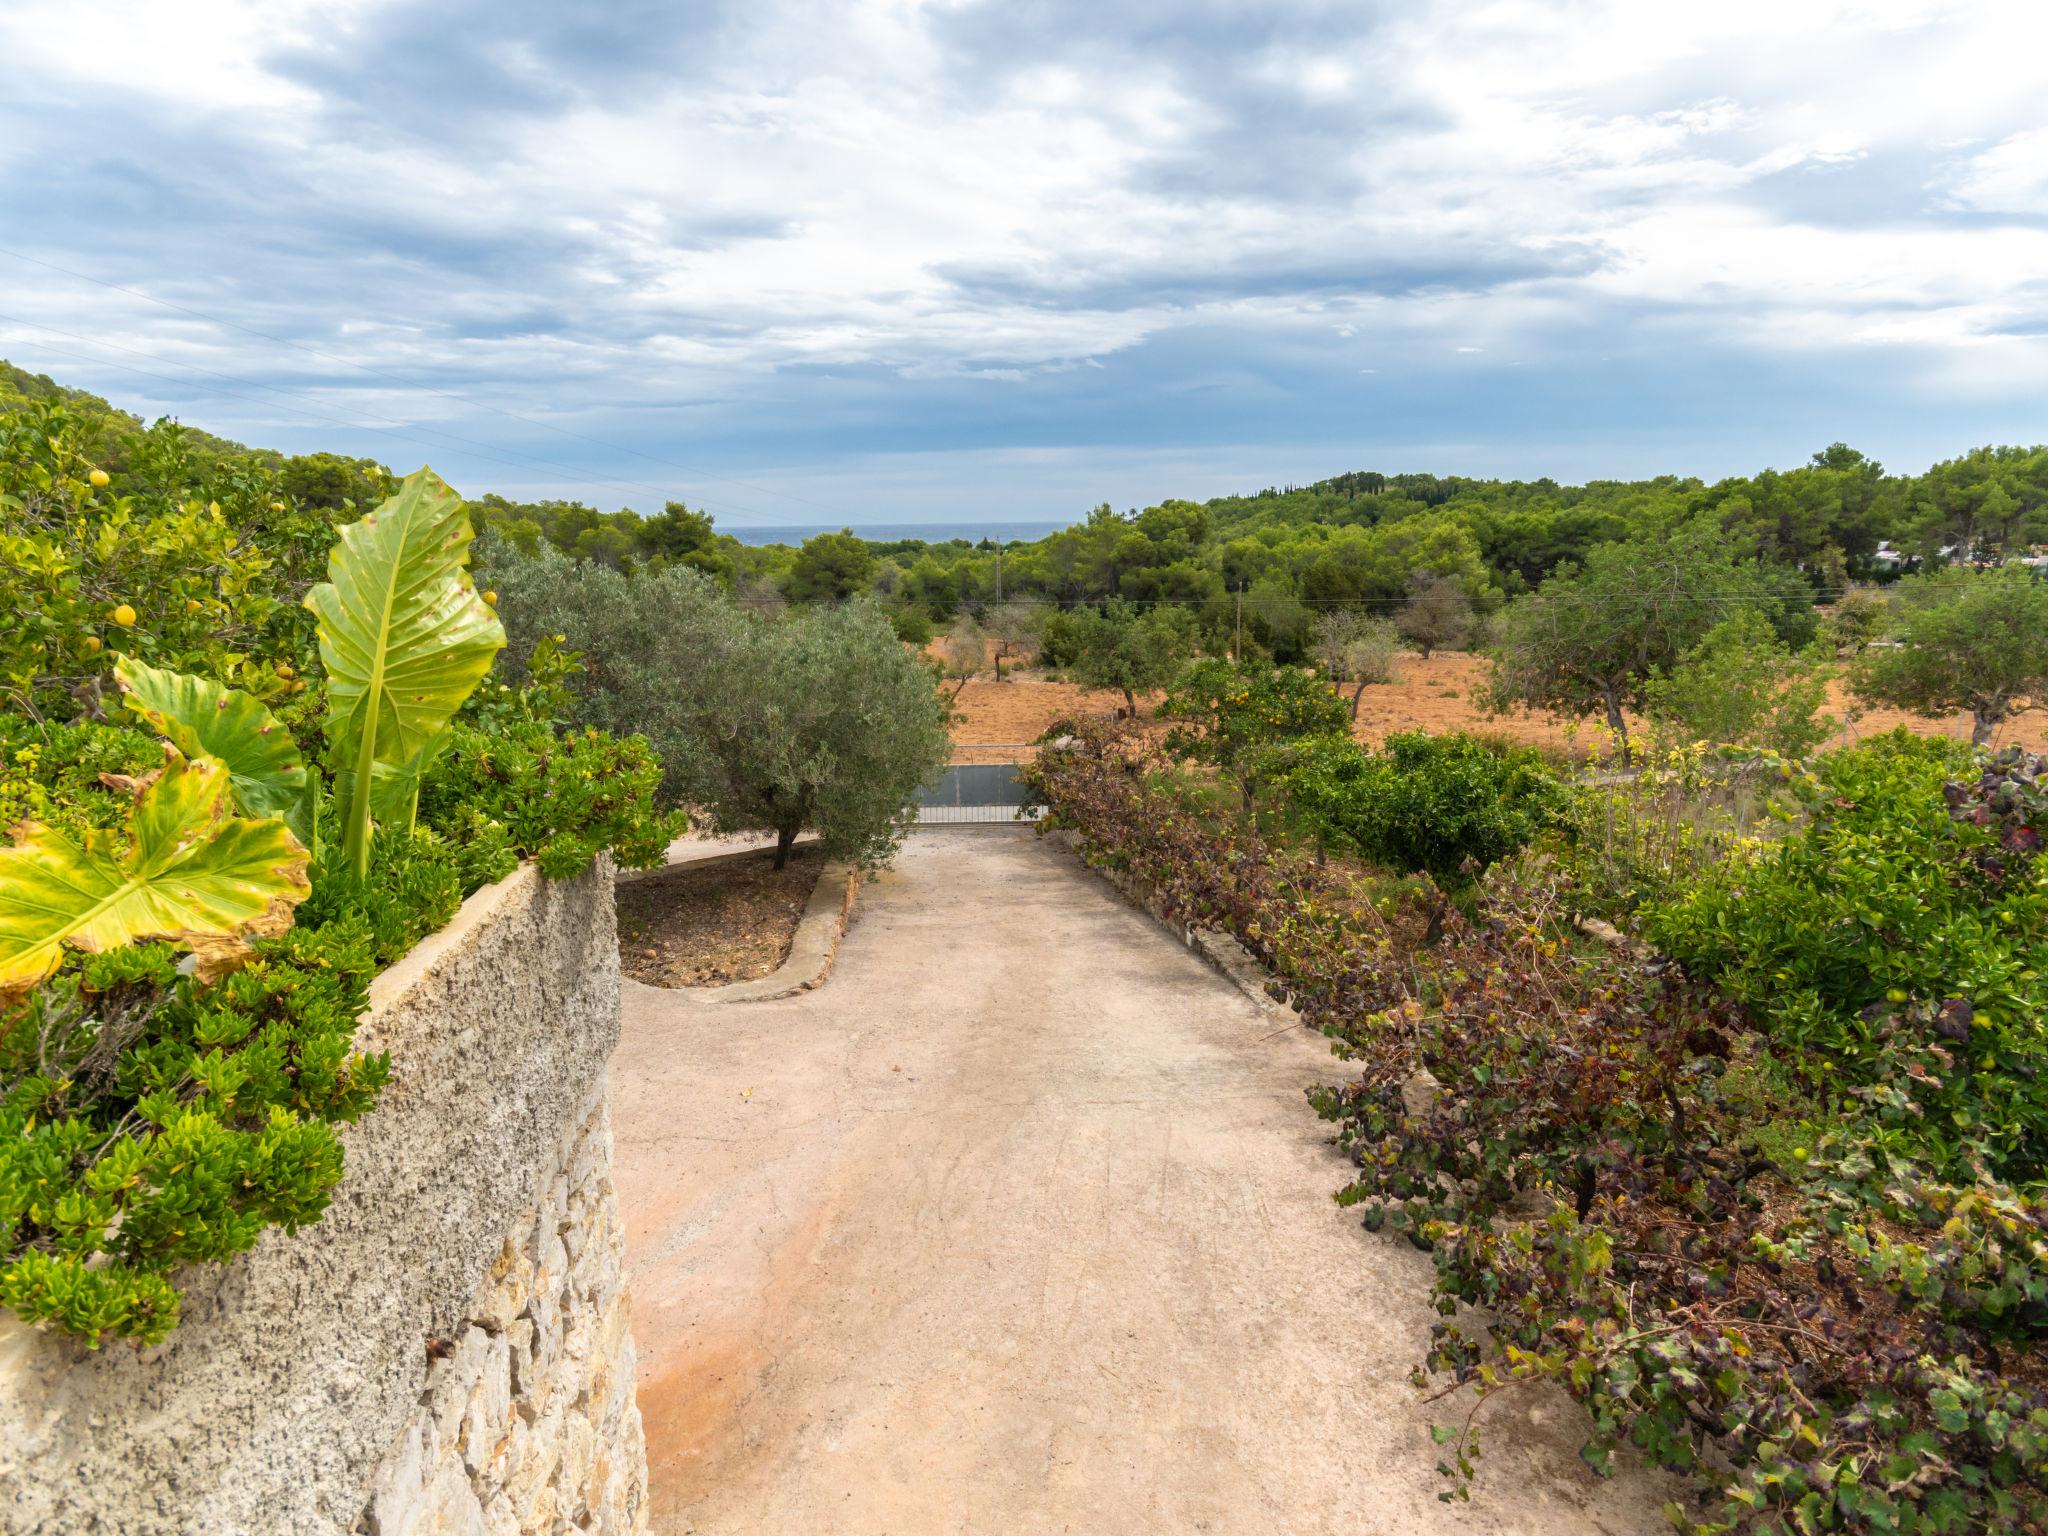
1234 715
1446 806
92 563
1901 885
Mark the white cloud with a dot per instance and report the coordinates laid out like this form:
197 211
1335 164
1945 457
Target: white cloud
2009 177
951 191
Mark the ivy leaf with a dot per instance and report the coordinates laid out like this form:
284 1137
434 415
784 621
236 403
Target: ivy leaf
202 718
185 872
1949 1412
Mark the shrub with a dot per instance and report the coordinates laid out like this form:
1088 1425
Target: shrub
155 1114
156 561
1858 617
1299 920
1743 686
1643 837
1893 891
1444 806
1846 1343
1824 1354
913 626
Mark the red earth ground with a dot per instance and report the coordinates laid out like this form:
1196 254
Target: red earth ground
993 720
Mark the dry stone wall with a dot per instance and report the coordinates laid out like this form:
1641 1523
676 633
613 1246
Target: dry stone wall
448 1351
528 1423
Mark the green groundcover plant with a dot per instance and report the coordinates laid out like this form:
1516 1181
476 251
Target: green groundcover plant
1913 878
202 887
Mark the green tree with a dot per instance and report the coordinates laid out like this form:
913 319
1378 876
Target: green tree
1974 640
1588 641
1132 651
830 568
1354 650
1013 630
912 625
819 719
963 654
833 727
1446 806
682 537
1857 618
1234 714
1743 686
1437 613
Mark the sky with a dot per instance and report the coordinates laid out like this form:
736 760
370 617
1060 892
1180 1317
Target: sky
954 260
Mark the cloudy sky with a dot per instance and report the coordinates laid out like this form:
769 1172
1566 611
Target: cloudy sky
907 260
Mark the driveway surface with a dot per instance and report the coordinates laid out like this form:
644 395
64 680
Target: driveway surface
1020 1224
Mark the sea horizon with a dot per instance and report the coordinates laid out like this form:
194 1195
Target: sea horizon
1008 530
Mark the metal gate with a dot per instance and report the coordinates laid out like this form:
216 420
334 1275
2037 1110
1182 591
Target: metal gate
977 793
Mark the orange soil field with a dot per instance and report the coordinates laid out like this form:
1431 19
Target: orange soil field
992 718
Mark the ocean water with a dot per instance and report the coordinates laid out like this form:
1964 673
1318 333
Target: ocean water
931 533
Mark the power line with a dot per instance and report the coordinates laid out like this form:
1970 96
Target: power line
445 394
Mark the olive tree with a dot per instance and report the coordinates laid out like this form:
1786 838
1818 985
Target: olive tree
1354 650
1437 613
819 720
1013 630
1974 640
963 654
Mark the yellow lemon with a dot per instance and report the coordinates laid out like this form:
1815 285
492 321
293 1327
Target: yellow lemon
92 642
125 616
284 669
277 506
491 598
100 479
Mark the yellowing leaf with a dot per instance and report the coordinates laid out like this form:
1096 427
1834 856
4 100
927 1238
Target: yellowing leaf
202 718
185 873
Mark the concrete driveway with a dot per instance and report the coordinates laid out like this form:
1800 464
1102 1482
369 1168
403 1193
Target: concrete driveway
1020 1224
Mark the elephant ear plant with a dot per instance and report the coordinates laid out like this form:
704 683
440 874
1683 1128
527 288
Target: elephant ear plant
404 640
186 870
159 1110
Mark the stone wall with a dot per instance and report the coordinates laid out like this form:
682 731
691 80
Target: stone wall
447 1350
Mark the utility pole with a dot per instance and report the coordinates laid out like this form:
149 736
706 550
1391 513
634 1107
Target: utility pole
999 569
1237 647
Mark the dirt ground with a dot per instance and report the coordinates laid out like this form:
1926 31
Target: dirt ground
707 923
1440 694
1020 1224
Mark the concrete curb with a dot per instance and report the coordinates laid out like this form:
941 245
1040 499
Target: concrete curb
811 952
1222 951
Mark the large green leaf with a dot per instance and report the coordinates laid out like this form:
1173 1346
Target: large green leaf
404 638
185 871
202 718
394 787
